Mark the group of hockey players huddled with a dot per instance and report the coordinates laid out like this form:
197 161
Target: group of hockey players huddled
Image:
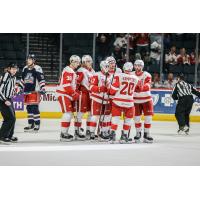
106 96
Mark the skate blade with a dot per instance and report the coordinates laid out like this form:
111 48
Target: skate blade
87 137
35 132
79 139
147 141
102 140
137 141
93 140
14 142
5 143
124 142
114 142
183 133
65 140
32 131
187 132
28 131
180 132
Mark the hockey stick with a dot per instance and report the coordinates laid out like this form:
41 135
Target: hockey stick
102 104
76 116
109 89
108 98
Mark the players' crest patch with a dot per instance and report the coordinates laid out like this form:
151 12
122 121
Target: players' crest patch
155 98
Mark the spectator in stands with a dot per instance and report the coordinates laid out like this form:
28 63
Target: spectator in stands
102 48
138 56
170 82
156 83
192 58
155 36
142 42
167 40
171 57
119 56
121 41
183 58
146 58
155 51
131 39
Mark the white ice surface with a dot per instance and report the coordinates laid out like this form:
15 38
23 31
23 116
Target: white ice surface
44 148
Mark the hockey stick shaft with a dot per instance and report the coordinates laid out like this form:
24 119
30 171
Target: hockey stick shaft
102 104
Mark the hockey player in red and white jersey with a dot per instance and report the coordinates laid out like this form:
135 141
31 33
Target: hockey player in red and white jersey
113 69
122 90
100 106
67 95
143 102
84 73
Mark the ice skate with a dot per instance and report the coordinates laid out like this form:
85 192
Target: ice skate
137 137
187 130
65 137
112 137
79 135
29 128
93 136
13 139
36 128
124 138
147 138
183 130
88 134
5 141
104 136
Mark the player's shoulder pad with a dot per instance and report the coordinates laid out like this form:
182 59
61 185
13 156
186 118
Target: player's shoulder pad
118 70
93 71
24 68
81 69
134 76
97 73
120 74
68 69
38 68
147 74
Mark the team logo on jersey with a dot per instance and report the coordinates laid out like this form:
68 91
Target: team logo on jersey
102 80
29 78
167 100
155 98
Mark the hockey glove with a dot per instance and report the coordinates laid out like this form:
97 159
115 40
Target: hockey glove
103 89
42 91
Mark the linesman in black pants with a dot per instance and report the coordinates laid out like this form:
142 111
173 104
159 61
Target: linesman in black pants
7 91
183 92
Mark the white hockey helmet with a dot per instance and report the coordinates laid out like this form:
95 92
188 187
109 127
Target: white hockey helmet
104 66
74 58
128 66
110 59
87 58
139 63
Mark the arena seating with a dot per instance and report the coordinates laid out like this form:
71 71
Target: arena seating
46 48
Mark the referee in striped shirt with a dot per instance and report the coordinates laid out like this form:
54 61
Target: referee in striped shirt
7 91
183 92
